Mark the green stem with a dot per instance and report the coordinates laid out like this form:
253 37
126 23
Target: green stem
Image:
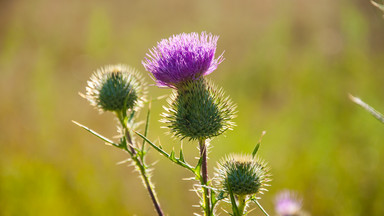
204 175
235 209
140 164
242 203
149 186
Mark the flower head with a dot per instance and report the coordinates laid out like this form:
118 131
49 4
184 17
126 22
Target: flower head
287 203
198 110
243 175
181 58
115 88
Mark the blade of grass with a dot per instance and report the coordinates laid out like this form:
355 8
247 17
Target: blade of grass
368 108
380 6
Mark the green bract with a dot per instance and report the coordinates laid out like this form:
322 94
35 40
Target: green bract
243 175
199 111
115 88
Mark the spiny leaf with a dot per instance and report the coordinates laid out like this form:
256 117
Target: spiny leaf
169 156
147 123
96 134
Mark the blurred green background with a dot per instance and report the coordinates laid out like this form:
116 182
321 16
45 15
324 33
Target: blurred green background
289 66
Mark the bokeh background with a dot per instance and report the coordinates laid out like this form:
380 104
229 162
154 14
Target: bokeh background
289 66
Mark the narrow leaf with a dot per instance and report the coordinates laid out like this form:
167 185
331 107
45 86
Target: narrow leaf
96 134
261 207
171 157
159 149
130 119
147 123
368 108
258 144
256 149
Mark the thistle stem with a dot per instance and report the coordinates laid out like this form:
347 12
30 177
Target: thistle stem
149 187
204 176
140 165
241 207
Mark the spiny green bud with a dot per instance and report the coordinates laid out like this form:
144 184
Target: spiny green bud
115 88
243 175
198 111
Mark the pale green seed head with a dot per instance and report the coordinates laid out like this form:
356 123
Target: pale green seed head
243 174
197 110
116 88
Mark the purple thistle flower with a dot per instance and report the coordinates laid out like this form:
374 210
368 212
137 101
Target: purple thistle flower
288 204
182 57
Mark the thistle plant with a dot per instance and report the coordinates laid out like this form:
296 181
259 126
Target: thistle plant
242 178
197 110
116 88
121 90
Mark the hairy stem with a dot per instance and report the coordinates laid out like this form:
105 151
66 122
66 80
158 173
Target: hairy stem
140 165
149 187
204 175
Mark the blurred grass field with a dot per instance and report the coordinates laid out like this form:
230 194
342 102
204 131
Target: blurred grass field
289 66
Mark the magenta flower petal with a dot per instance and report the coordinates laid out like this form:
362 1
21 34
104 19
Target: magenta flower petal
287 203
182 57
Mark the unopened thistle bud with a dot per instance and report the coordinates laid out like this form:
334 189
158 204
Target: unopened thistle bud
243 175
199 111
115 88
